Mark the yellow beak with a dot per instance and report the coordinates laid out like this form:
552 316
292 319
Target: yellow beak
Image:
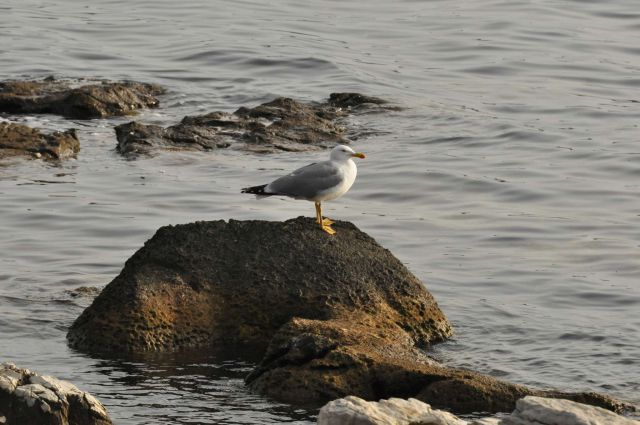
359 155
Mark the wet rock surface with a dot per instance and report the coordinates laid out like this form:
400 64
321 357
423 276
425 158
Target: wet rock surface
209 283
21 140
73 99
283 124
27 398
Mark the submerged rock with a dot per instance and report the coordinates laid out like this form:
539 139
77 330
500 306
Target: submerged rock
72 100
27 398
283 124
83 292
210 283
350 100
19 139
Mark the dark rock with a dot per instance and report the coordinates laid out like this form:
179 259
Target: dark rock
27 398
280 125
96 100
135 138
19 139
211 283
83 292
349 100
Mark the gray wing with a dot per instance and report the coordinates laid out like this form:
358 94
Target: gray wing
307 182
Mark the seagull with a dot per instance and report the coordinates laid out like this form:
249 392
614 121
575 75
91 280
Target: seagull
317 182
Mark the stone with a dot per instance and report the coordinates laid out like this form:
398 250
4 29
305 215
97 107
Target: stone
530 410
394 411
547 411
350 100
21 140
83 292
72 99
331 316
27 398
283 124
238 282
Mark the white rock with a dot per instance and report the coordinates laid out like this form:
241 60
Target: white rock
33 392
50 399
394 411
552 411
9 377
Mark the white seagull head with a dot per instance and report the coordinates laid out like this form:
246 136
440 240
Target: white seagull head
343 153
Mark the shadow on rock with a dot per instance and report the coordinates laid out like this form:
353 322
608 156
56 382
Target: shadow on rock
283 124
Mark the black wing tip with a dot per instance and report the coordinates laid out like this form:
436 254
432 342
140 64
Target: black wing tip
256 190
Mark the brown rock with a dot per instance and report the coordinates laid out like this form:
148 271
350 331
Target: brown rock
95 100
311 362
210 283
19 139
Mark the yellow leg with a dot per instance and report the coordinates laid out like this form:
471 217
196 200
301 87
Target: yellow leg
318 214
325 223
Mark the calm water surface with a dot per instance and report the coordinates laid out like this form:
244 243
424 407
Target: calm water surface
510 183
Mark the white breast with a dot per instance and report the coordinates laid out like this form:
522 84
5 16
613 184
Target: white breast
350 171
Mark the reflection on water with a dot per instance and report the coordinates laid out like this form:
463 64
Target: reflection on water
509 184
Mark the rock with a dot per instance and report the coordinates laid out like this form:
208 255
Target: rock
19 139
283 124
530 410
211 283
350 100
546 411
394 411
135 138
83 292
28 398
332 316
310 362
66 98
